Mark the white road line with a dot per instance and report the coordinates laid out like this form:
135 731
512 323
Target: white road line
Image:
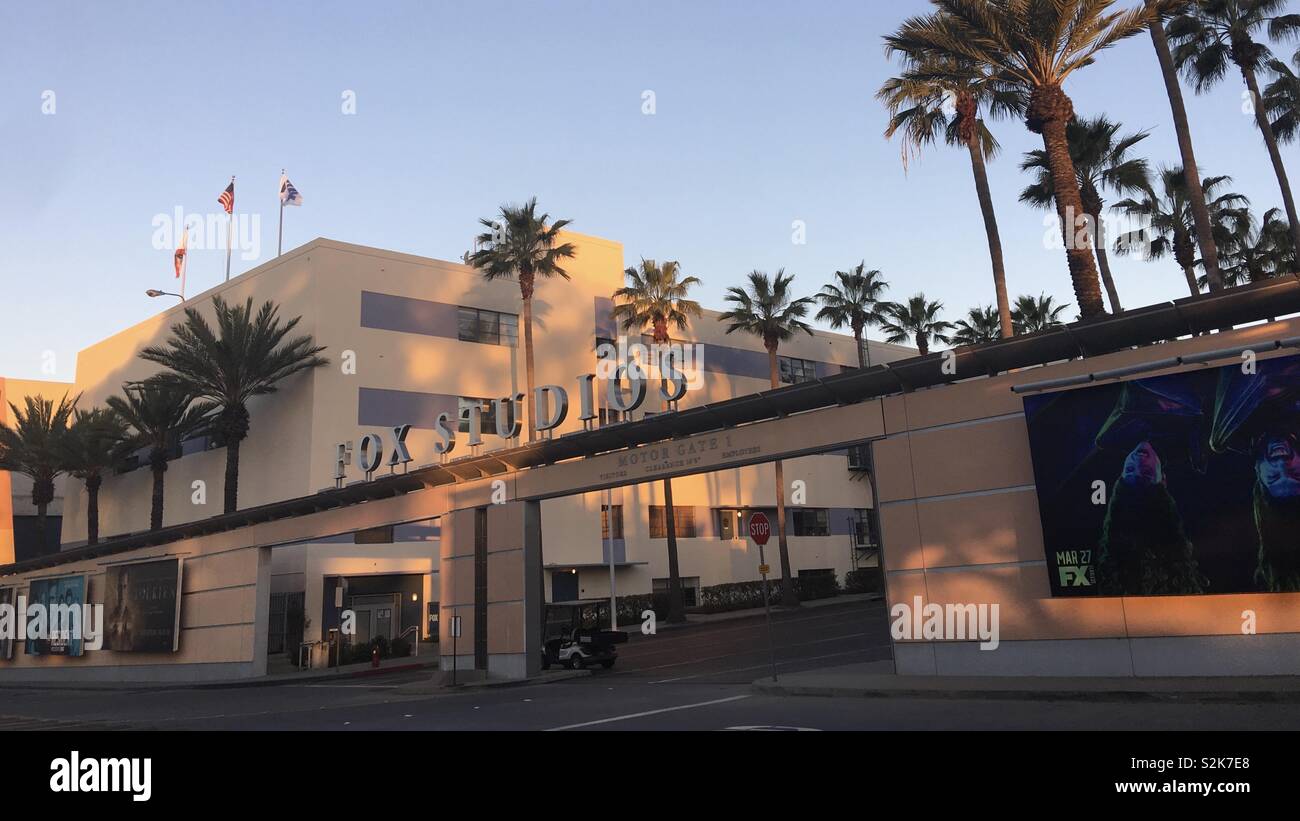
647 713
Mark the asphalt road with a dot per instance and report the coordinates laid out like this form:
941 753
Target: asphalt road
693 678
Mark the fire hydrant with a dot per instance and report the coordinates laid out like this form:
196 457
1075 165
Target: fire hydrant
374 656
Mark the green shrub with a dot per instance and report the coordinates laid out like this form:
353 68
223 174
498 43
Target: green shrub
400 648
864 580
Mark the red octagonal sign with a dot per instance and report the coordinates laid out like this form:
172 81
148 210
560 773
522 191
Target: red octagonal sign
760 530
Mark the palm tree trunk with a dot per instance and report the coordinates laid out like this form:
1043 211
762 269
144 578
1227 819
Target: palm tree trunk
857 339
156 507
788 598
1191 280
92 510
1103 263
1069 207
41 540
994 237
676 603
1257 103
1191 173
922 345
232 475
529 368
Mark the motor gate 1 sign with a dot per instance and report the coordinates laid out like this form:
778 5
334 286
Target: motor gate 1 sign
760 530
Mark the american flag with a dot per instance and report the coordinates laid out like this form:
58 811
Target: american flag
227 198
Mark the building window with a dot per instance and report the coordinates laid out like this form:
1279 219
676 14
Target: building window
814 521
683 517
866 528
860 458
690 589
796 370
489 414
487 327
730 524
604 522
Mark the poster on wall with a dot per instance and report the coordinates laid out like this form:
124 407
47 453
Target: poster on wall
1182 484
142 611
8 596
64 591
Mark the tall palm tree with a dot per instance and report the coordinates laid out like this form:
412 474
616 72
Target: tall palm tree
159 418
1032 47
89 449
1282 99
1210 34
767 309
948 100
523 246
1259 252
655 296
1171 224
32 447
916 321
1101 161
980 325
1034 314
853 299
246 355
1204 229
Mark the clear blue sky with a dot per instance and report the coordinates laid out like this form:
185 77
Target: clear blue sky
765 115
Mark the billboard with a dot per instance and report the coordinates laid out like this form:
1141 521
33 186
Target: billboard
1176 485
142 611
61 592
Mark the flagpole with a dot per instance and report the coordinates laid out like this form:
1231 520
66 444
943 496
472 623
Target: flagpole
279 242
185 260
230 227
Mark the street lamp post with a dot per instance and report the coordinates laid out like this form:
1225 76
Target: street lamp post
154 292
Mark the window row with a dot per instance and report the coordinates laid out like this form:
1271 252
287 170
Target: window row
487 327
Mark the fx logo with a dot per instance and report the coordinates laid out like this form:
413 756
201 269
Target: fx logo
1075 576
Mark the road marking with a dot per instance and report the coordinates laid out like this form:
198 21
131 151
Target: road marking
648 713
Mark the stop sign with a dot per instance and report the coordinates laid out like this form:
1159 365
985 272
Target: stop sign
759 528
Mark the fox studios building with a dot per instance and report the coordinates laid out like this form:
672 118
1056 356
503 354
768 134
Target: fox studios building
408 339
1125 491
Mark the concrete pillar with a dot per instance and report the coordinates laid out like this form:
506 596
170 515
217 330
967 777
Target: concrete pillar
512 599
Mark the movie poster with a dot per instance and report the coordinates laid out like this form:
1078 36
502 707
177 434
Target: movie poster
1176 485
8 595
65 592
142 607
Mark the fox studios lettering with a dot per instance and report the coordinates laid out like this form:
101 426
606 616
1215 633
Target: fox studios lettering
550 410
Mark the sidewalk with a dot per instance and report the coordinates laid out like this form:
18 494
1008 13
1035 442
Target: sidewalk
877 680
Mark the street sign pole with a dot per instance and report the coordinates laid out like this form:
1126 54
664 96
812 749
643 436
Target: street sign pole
760 529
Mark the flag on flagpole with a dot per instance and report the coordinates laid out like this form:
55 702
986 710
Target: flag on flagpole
227 198
288 194
179 259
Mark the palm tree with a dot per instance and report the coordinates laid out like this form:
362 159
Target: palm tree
159 418
32 447
768 310
523 246
655 295
1171 225
1031 47
1101 161
88 450
246 356
1195 196
1282 100
1259 252
917 321
853 299
1210 34
947 100
1034 314
980 325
